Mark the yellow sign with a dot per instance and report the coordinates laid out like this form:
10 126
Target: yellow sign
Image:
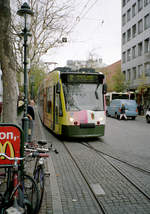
4 148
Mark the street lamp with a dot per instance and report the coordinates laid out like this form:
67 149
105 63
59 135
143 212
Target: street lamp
25 12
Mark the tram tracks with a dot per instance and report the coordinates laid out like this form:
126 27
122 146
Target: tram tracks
102 154
86 180
104 157
118 159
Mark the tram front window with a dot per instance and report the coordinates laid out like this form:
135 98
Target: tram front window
83 97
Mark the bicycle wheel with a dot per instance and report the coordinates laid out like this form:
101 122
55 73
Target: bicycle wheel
31 194
39 178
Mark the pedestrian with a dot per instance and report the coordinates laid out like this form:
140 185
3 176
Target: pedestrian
139 109
31 116
123 112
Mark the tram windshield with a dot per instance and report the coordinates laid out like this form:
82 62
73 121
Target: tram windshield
83 97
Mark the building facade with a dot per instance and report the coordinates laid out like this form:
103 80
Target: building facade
90 63
136 43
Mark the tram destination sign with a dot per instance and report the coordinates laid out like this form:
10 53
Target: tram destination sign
82 78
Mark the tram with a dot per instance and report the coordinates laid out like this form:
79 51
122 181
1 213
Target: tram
72 103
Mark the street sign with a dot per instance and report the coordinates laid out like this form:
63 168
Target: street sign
11 142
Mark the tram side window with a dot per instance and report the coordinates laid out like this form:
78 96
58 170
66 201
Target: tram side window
60 107
107 100
49 100
56 107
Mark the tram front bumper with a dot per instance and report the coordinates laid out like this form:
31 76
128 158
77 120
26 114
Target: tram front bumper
77 131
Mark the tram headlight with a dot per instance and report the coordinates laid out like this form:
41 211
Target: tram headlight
101 119
71 119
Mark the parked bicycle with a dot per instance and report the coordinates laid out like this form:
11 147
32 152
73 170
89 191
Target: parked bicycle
21 195
40 152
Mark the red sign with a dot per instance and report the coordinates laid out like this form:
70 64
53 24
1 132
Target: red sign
10 140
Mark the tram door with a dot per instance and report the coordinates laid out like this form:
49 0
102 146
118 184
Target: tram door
54 104
56 95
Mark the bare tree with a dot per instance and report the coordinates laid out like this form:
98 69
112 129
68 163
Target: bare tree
48 25
7 60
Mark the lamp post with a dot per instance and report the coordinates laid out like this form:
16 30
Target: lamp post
25 12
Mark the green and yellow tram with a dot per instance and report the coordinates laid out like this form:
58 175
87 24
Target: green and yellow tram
72 103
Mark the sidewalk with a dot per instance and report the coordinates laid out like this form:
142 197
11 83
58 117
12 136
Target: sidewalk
51 201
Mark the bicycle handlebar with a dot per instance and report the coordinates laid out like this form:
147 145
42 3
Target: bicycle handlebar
11 159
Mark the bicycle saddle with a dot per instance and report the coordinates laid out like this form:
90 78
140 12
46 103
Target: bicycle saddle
42 142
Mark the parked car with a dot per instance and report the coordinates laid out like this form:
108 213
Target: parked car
115 107
148 115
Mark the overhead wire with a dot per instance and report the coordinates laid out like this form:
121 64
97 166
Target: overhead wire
79 17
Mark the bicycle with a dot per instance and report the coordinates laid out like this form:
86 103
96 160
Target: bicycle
21 195
40 152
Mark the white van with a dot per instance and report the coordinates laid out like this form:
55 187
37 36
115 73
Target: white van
148 115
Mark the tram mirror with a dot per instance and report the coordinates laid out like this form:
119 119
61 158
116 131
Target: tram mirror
104 88
58 88
96 95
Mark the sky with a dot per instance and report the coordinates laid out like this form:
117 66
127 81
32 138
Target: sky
97 30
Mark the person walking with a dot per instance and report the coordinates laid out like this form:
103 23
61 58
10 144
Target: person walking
31 116
123 112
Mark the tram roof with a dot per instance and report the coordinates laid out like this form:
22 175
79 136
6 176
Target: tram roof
81 70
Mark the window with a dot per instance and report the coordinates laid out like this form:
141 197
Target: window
124 73
140 49
147 69
123 3
134 73
128 34
134 52
140 5
146 2
147 21
124 38
128 15
146 45
140 26
128 74
133 10
133 31
123 19
140 70
128 54
60 107
124 57
49 100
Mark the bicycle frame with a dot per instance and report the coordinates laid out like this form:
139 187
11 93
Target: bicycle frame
10 206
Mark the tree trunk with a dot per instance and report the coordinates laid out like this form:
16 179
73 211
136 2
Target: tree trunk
7 65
